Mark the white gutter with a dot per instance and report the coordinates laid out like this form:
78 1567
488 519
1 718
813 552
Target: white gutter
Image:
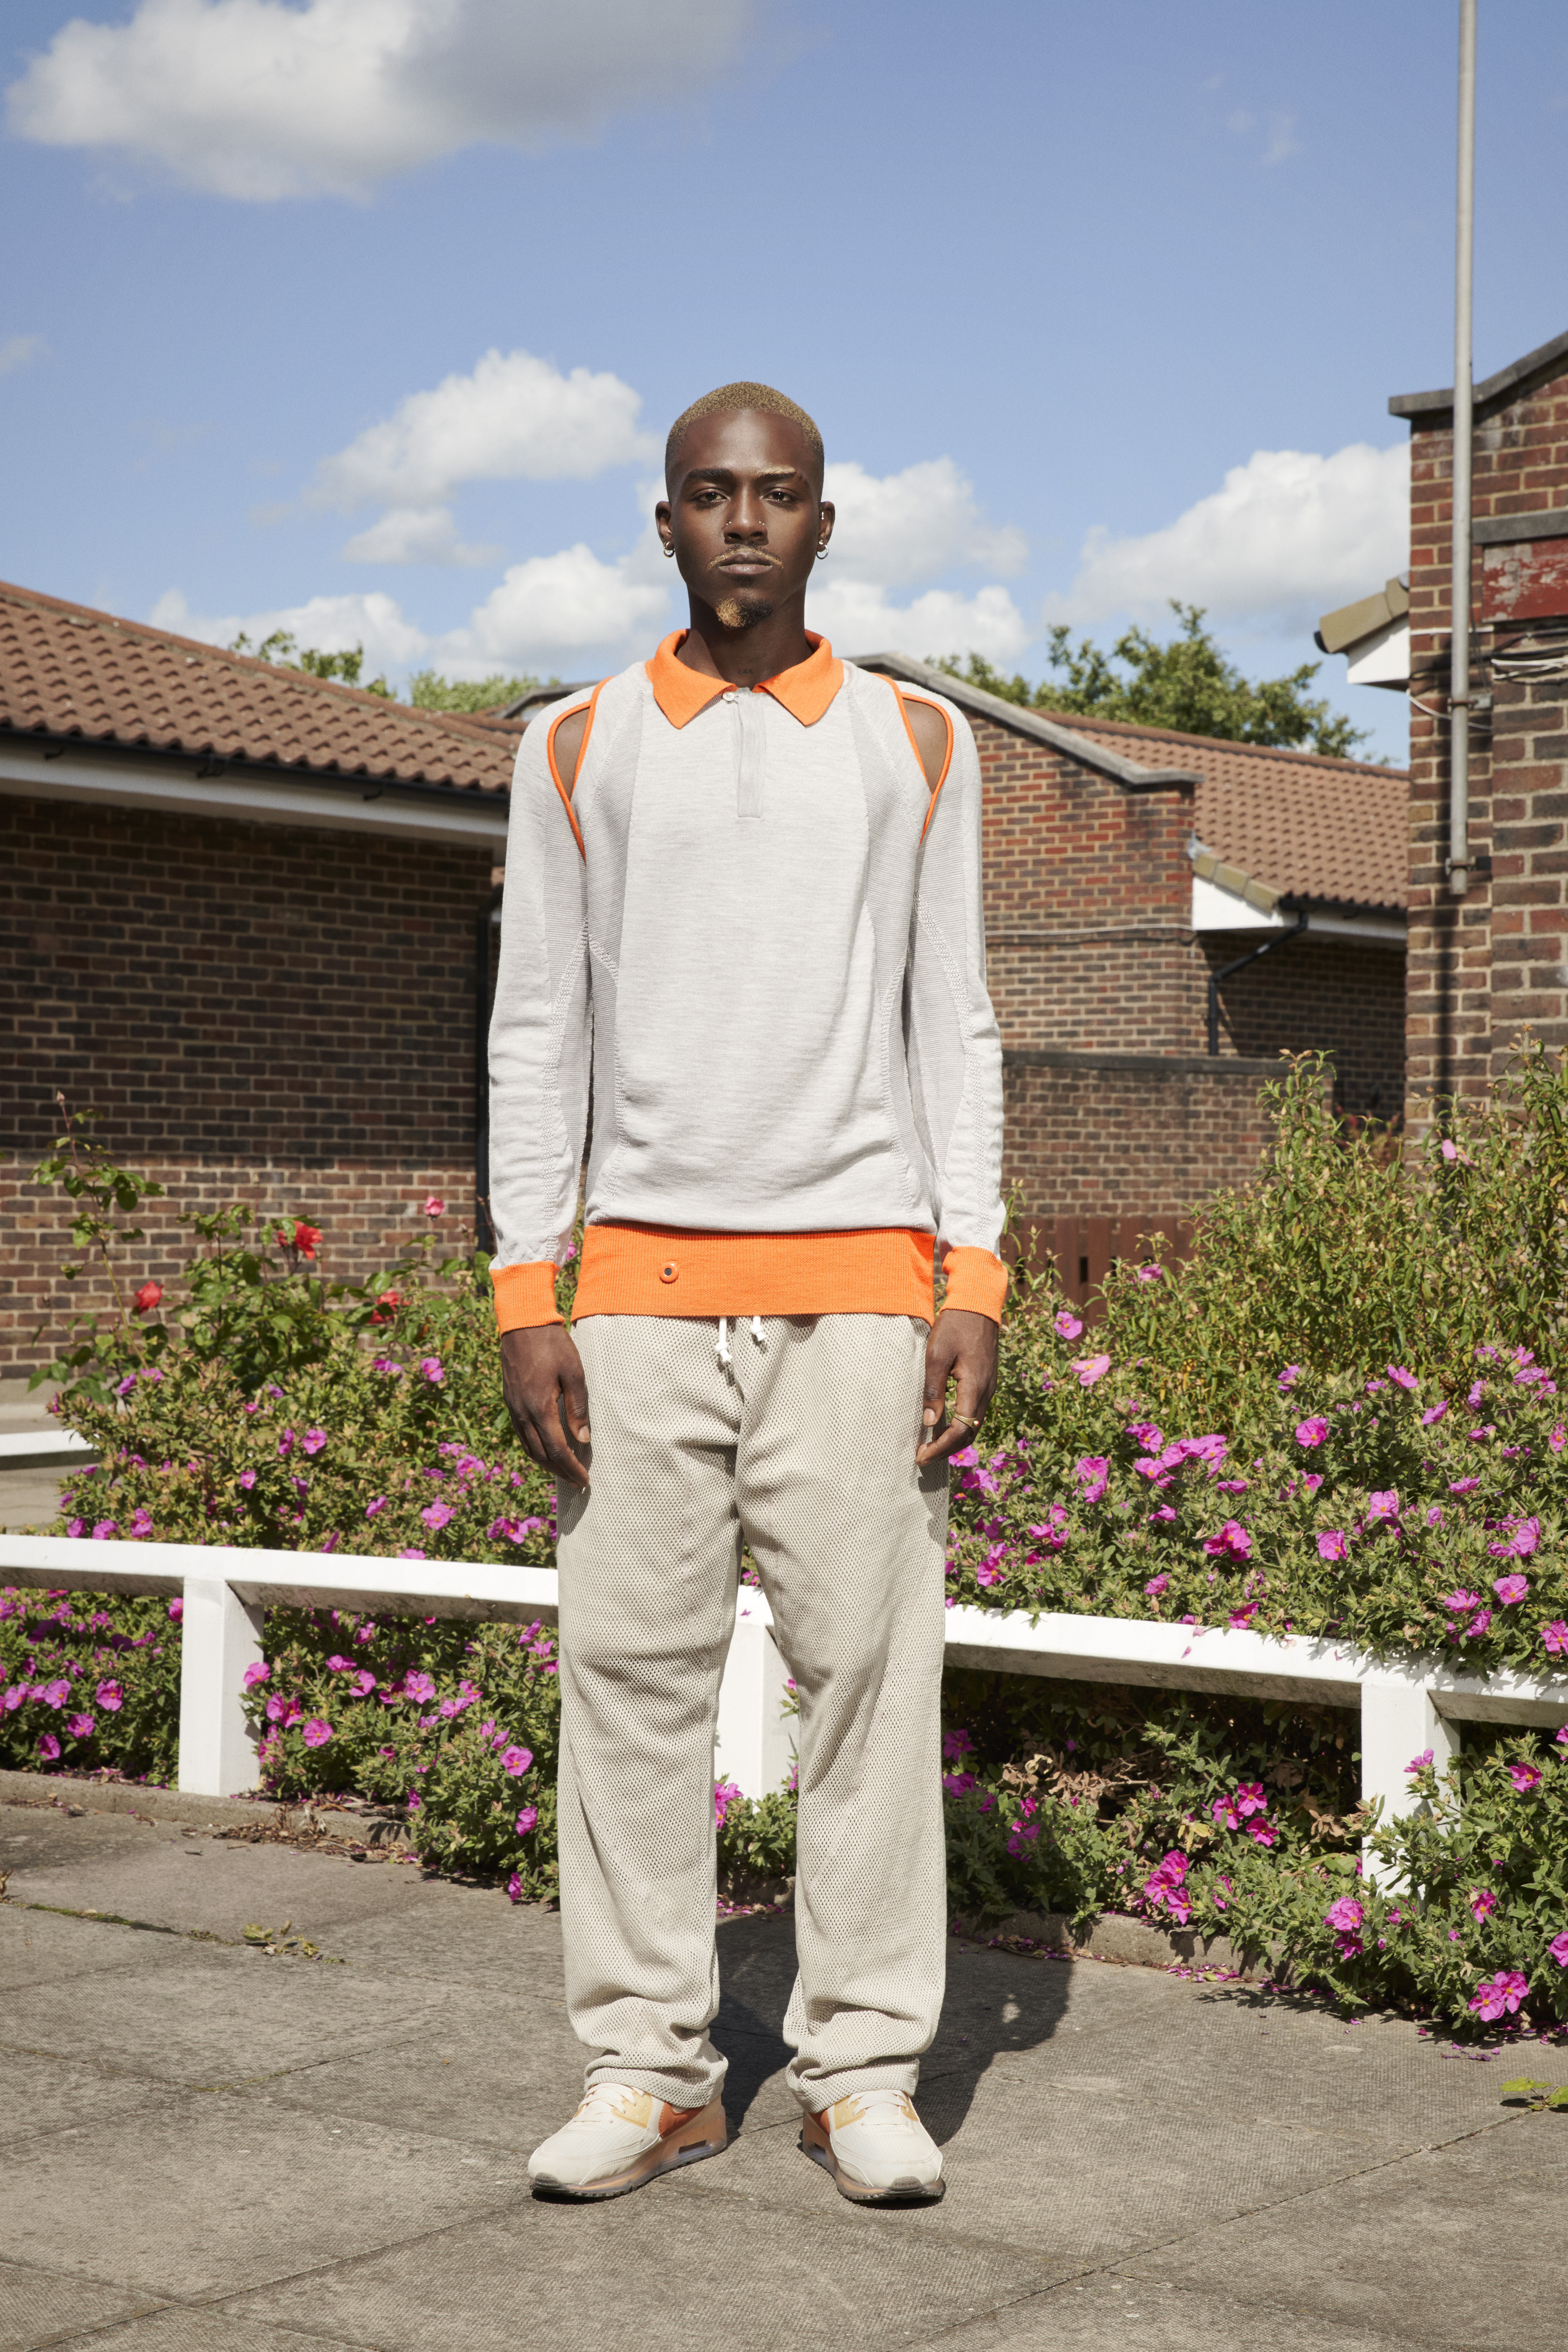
1252 907
247 794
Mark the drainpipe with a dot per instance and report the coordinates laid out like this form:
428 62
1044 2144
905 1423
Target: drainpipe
1460 695
484 1231
1226 970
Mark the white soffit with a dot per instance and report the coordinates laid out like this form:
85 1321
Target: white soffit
250 795
1382 660
1217 907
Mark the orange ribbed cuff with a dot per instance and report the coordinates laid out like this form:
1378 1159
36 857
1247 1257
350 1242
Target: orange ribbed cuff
660 1270
976 1282
525 1296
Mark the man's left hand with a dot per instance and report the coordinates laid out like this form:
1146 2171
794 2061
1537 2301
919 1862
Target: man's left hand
962 1348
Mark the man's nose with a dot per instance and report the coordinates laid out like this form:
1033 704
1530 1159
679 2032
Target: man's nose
746 520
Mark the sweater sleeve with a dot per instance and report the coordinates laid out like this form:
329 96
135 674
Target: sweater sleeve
953 1045
541 1039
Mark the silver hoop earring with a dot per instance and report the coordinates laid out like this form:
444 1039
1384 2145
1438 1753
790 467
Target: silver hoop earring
822 556
669 550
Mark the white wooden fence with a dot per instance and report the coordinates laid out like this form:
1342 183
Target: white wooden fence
1405 1709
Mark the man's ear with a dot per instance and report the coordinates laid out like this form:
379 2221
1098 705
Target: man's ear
829 514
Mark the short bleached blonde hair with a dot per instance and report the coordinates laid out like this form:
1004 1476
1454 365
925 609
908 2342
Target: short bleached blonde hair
741 395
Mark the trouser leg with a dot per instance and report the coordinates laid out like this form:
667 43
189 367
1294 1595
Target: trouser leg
848 1536
648 1563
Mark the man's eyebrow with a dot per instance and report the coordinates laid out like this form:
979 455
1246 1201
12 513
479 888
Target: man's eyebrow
725 474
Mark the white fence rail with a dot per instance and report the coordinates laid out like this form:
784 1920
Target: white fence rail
1405 1709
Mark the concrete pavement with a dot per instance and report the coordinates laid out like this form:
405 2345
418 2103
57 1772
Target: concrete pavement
205 2148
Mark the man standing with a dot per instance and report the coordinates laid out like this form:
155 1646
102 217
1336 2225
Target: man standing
743 910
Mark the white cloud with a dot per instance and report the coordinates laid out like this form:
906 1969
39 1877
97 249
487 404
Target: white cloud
1288 537
258 99
415 535
20 351
331 624
514 415
901 528
858 617
557 607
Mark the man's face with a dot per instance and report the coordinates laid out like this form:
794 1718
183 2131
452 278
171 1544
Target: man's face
744 513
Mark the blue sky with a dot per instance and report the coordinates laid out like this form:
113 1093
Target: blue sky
1095 306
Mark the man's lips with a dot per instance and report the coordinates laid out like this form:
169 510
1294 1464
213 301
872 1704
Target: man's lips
749 562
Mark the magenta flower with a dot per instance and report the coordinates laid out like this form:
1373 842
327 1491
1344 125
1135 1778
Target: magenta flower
1434 1413
109 1696
516 1760
1555 1637
514 1888
286 1445
1524 1777
176 1610
432 1369
1288 1379
1311 1432
434 1207
1384 1506
1558 1439
1503 1991
435 1515
1463 1485
1232 1543
1345 1917
1250 1799
1225 1813
725 1794
48 1747
1418 1763
105 1529
1156 1585
1558 1947
526 1819
1149 1274
247 1479
1511 1589
1455 1158
363 1683
313 1441
1262 1833
257 1672
1479 1623
82 1727
1401 1377
1461 1599
1090 1369
316 1733
53 1694
378 1503
418 1685
1483 1902
1332 1544
956 1746
1069 1325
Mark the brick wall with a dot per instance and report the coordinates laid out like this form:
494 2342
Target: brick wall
1483 966
256 1013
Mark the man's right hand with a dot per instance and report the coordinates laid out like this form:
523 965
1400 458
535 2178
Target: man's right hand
547 1397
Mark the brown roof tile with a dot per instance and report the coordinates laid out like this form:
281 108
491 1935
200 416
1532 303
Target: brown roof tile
1309 828
69 672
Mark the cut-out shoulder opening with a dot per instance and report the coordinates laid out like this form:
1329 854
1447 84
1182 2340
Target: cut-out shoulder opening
929 728
568 745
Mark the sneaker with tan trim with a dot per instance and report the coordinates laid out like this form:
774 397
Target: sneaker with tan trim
618 2138
877 2148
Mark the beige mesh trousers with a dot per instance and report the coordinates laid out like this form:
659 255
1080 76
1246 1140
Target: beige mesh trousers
805 1441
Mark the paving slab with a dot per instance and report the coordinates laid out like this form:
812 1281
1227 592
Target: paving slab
39 2305
179 2328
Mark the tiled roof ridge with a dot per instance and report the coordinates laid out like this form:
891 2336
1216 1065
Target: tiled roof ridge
278 674
1088 722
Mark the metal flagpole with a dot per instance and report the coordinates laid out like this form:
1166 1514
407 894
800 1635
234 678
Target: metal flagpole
1459 642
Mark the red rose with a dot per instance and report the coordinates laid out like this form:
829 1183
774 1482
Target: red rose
306 1238
389 1299
147 1297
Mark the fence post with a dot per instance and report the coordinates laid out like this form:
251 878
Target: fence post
754 1746
1399 1720
219 1637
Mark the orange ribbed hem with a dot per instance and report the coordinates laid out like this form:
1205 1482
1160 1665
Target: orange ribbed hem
976 1282
659 1270
525 1296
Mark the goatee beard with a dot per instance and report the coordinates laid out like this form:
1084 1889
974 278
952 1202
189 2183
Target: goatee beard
745 611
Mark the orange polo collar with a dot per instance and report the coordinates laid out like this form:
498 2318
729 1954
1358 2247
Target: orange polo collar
804 691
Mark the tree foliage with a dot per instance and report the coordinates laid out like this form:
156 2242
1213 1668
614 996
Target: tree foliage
1185 684
428 690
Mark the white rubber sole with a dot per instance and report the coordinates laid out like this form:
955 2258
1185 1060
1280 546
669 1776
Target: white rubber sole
706 2134
815 2143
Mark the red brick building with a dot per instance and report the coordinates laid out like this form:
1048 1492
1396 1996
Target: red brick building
245 915
1483 966
1130 875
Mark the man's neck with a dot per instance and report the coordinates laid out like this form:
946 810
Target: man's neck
746 656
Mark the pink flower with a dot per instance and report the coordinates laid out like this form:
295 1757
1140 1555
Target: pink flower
1384 1506
435 1208
435 1515
1555 1637
1483 1902
377 1502
1345 1917
1434 1413
1558 1947
725 1794
105 1529
316 1733
82 1727
1461 1599
1156 1585
1524 1777
1311 1432
1250 1799
364 1682
1558 1439
1418 1763
1225 1813
516 1760
431 1367
1479 1623
1455 1158
1463 1485
52 1693
526 1819
1503 1991
48 1747
1402 1378
313 1441
1090 1369
109 1696
1262 1833
1233 1542
1511 1589
1067 1325
957 1784
176 1611
418 1685
1288 1379
514 1888
247 1479
1149 1274
1434 1514
1332 1544
257 1672
956 1746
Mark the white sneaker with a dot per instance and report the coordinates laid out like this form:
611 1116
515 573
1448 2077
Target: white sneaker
618 2138
877 2148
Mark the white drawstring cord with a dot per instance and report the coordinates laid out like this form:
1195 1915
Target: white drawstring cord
758 1336
722 1349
